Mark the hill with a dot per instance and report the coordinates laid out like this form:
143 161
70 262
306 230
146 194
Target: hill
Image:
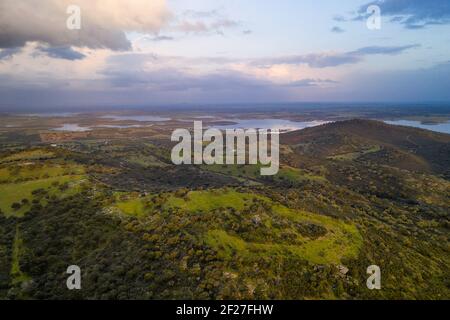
402 147
348 195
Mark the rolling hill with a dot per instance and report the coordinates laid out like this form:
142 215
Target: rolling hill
348 195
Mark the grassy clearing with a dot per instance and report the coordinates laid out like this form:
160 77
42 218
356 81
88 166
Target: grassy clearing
194 201
133 207
25 172
340 239
22 175
17 275
206 201
28 155
15 192
296 175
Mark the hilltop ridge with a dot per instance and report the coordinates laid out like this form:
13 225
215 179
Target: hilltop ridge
398 146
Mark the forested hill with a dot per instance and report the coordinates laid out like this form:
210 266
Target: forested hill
403 147
348 195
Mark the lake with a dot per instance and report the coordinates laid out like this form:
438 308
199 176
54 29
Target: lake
120 126
49 114
72 127
136 118
440 127
280 124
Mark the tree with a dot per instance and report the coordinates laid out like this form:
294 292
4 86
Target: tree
16 206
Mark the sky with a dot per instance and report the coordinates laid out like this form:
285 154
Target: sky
165 52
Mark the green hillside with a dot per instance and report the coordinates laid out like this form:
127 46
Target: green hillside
348 195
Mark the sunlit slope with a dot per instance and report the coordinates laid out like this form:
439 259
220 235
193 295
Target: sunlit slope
29 177
244 224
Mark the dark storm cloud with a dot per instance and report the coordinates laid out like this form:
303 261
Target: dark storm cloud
413 14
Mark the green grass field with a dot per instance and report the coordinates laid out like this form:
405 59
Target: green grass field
296 175
15 192
341 239
133 207
20 173
25 171
195 201
28 155
17 275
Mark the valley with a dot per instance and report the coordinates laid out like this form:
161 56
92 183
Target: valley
348 194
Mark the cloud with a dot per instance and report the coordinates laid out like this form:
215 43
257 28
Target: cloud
421 85
337 29
339 18
139 78
162 38
310 83
383 50
169 73
66 53
318 60
203 22
8 53
202 14
323 60
162 86
412 14
102 25
145 79
313 60
201 27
